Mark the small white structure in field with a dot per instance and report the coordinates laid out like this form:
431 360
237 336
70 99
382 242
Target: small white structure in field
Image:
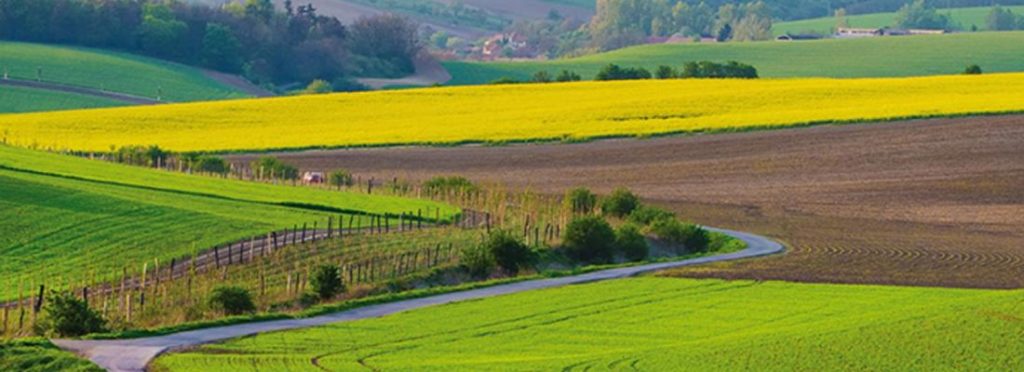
313 177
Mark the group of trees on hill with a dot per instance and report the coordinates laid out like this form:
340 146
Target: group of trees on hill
251 37
620 23
1002 19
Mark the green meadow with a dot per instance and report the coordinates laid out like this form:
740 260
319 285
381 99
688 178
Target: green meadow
18 99
111 71
846 58
965 18
658 324
69 219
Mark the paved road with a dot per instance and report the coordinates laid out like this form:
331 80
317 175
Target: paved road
135 354
127 98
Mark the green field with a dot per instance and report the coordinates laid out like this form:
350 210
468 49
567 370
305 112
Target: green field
112 71
850 58
38 355
74 219
659 324
964 17
18 99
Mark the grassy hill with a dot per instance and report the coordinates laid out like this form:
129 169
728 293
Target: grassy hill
18 99
529 112
964 17
77 219
112 71
658 324
869 57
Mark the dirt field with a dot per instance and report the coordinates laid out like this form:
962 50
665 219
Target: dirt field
927 202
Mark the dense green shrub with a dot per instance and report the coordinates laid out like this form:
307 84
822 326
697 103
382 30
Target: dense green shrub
541 77
326 282
567 76
478 260
444 185
711 70
210 164
666 72
340 178
615 72
589 239
231 300
269 166
692 237
581 200
620 203
632 243
509 252
972 70
504 80
644 215
69 316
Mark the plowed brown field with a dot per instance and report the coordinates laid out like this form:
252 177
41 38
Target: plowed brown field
925 202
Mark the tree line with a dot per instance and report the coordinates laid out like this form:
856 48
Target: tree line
689 70
269 46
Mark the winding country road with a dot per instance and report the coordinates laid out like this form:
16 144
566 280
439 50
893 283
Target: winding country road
135 354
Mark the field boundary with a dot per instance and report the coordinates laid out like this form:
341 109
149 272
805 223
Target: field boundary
136 354
74 89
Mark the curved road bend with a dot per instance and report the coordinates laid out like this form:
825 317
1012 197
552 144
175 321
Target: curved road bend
135 354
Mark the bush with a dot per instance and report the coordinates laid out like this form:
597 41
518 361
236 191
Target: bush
348 85
443 185
692 237
340 178
632 243
644 215
68 316
210 164
615 72
581 200
504 80
589 240
326 282
541 77
509 253
231 300
317 87
620 203
269 166
972 70
665 72
477 260
711 70
567 76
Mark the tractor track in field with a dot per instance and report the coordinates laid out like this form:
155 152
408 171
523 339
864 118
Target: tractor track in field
136 354
73 89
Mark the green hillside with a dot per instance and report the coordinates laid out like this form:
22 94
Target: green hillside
68 217
112 71
17 99
964 17
849 58
658 324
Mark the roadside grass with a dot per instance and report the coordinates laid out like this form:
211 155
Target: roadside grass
964 17
112 71
18 100
69 220
534 112
846 58
657 324
39 355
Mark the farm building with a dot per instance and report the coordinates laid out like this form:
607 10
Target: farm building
846 32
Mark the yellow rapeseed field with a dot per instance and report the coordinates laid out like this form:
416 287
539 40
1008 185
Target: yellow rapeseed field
513 113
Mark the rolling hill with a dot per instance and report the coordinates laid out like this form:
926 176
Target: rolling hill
657 324
529 112
964 17
867 57
102 70
77 219
19 99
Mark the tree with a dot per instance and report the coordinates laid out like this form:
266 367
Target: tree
221 50
919 14
160 34
972 70
269 166
509 253
645 215
391 38
665 72
841 20
231 300
1000 19
632 243
620 203
210 164
68 316
615 72
567 76
689 236
259 9
589 239
326 282
477 260
340 178
581 200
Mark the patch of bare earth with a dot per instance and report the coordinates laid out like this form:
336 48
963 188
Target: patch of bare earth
925 202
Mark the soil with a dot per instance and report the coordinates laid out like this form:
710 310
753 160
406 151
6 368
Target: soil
924 202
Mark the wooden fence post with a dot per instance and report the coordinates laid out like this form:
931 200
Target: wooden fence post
330 226
39 300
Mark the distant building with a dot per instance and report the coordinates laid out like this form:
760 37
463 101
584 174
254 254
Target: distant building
313 177
846 32
495 46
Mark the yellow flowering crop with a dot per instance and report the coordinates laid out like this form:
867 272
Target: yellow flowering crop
513 113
